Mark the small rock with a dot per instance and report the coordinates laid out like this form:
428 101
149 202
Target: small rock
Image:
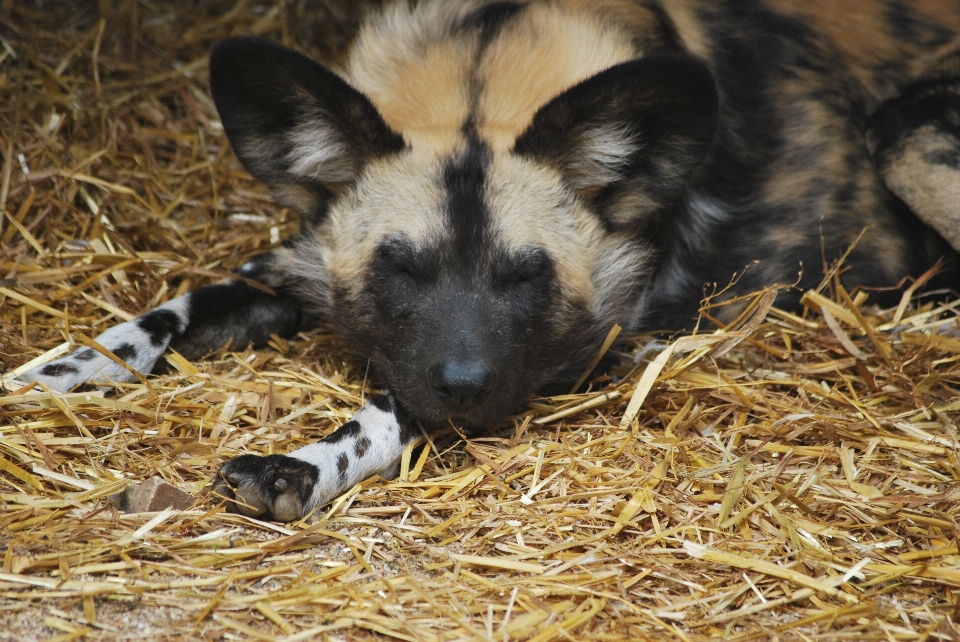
150 496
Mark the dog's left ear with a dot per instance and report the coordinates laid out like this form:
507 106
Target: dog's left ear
295 125
641 127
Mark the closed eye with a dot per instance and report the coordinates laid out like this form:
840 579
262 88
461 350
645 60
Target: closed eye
530 266
397 258
395 279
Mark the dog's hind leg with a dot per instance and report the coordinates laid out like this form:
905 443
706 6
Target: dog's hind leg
914 139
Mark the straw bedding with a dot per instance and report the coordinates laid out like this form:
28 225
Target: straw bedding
793 477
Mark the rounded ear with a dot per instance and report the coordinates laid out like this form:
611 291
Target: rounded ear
632 134
294 124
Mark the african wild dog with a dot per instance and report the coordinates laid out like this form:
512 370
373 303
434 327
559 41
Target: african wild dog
487 187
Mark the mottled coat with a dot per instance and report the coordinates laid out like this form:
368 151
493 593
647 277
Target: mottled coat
487 187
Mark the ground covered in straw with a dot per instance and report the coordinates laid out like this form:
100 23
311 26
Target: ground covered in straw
794 477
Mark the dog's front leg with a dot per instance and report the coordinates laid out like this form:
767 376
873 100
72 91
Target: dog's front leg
233 312
284 488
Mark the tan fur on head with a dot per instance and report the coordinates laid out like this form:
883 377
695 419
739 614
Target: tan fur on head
545 51
428 79
416 72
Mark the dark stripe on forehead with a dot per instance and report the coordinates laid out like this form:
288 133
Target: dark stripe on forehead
490 19
465 174
463 180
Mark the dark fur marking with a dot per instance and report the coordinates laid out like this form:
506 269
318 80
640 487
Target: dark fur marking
397 273
382 402
923 103
408 431
239 313
349 429
160 325
751 49
58 369
343 462
360 447
491 19
463 180
85 355
408 427
529 277
906 26
947 157
664 35
126 352
901 20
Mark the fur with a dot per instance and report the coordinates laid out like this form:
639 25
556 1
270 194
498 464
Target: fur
487 187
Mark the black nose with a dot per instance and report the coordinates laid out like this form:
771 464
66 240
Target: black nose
462 385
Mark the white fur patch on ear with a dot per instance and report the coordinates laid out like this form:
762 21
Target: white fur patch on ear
601 156
306 266
621 264
296 196
319 152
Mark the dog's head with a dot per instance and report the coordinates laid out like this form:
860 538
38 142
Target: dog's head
477 213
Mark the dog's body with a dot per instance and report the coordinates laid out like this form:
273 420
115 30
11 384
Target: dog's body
487 187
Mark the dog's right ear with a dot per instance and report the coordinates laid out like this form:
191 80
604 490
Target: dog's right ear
632 134
294 124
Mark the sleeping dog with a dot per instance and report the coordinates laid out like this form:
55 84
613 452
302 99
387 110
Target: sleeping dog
486 188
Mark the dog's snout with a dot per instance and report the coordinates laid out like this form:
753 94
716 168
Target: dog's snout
462 385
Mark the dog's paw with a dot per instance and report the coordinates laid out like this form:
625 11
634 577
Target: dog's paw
275 487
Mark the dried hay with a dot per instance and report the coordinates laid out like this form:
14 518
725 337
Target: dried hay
790 477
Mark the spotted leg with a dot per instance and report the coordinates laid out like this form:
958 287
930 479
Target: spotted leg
287 487
195 324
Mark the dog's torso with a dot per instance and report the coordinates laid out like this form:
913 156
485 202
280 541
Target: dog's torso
487 187
790 182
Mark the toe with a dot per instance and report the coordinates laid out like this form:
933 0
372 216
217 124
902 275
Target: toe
287 507
249 499
222 491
